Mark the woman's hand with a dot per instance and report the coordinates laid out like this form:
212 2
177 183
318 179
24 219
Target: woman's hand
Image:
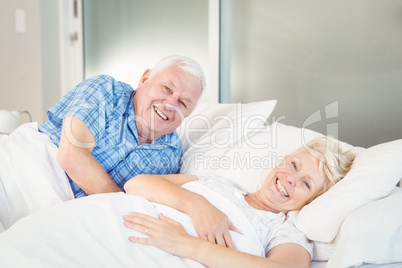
212 225
163 233
171 237
209 222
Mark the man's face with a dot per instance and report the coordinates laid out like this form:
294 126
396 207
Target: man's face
162 102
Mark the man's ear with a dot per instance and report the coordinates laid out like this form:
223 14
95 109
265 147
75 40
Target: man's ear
144 77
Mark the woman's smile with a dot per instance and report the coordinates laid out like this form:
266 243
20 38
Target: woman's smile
281 188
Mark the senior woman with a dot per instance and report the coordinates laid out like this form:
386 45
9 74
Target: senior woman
301 177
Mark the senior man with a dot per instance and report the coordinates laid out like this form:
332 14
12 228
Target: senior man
107 132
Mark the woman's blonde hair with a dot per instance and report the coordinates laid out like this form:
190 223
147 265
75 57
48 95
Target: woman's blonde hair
333 162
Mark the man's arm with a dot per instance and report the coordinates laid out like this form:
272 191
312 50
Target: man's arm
75 158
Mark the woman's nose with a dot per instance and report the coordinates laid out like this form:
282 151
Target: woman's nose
292 178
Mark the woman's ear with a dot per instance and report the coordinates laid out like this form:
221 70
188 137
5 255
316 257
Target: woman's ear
144 77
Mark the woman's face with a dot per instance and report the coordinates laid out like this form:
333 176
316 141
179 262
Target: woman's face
292 183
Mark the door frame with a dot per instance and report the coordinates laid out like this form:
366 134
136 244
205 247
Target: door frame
71 44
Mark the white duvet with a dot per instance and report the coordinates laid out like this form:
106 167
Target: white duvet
89 232
30 177
42 230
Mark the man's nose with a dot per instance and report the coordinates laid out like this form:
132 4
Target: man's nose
170 103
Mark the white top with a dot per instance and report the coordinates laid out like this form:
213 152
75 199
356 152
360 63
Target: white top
272 229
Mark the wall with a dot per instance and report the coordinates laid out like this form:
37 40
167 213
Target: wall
123 37
338 60
30 61
30 67
20 65
50 54
340 57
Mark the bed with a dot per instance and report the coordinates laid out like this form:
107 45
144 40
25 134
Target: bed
358 222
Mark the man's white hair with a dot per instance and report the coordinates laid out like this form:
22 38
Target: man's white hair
185 63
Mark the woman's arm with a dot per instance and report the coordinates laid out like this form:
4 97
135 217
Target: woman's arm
209 222
163 188
171 237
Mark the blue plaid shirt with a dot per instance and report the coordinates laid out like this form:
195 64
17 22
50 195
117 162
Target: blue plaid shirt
106 107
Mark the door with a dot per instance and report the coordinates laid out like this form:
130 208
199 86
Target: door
71 44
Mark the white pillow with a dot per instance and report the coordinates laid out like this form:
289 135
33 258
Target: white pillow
372 234
246 160
213 136
374 174
213 125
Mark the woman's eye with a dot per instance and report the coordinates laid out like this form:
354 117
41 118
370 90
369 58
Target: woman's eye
307 185
294 165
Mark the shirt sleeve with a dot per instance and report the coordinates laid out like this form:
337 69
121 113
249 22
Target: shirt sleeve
286 232
90 101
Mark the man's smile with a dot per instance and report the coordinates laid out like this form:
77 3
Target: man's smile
159 112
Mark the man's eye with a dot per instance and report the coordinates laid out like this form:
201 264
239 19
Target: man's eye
183 104
167 89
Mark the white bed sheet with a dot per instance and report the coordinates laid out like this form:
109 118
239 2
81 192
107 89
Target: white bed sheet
31 180
30 177
89 232
320 264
